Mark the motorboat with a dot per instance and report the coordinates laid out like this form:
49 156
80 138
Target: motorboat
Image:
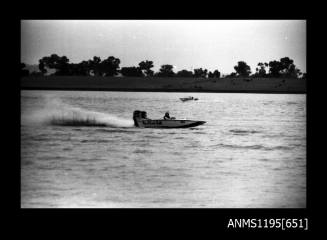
188 99
141 120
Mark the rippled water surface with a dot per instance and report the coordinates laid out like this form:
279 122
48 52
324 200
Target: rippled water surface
250 153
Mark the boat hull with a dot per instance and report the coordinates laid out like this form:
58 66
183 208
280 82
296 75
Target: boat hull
188 99
161 123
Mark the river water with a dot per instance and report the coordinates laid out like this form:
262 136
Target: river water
251 153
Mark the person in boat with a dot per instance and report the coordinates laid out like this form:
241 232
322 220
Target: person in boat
167 117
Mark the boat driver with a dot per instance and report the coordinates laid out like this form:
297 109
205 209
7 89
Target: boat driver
166 117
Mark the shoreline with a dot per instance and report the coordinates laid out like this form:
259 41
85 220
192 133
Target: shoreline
158 90
174 84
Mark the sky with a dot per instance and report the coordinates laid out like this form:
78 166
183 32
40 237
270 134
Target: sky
185 44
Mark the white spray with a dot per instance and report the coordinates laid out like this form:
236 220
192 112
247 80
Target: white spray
54 111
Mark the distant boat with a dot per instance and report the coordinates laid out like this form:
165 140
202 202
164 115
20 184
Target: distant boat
141 120
188 99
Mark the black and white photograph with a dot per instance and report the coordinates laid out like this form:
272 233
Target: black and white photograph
159 113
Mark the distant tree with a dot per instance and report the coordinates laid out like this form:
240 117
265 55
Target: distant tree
131 72
109 66
166 70
63 66
94 66
215 74
60 64
80 69
232 75
146 67
286 64
96 60
285 67
42 67
275 68
23 72
184 73
288 68
261 70
242 69
200 73
293 72
84 68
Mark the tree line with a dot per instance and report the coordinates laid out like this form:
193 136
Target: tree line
61 66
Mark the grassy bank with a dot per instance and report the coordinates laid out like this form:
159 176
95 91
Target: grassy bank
248 85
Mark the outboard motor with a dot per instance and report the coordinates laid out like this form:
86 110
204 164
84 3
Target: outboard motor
143 115
137 115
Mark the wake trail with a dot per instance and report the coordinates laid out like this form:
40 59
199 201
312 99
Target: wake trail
55 112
